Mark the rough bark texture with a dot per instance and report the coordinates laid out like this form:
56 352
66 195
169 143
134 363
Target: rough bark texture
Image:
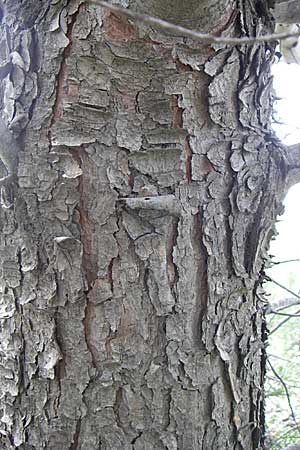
145 196
287 11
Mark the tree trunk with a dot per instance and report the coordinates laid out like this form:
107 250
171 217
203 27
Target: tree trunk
287 11
147 187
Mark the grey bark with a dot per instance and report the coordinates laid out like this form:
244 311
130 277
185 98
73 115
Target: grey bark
124 326
287 11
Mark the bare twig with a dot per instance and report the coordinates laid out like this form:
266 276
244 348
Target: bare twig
267 278
282 323
270 355
285 389
282 304
284 314
287 260
273 378
185 32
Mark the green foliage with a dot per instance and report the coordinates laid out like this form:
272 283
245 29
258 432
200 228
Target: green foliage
288 437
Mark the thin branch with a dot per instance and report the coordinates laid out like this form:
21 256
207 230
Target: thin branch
284 314
282 304
270 355
286 261
282 323
185 32
290 386
267 278
285 389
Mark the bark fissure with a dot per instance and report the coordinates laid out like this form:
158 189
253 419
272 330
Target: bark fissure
75 444
202 276
172 270
62 73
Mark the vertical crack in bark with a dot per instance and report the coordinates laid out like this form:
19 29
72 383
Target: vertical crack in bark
62 75
263 369
110 275
75 444
202 275
228 245
111 264
19 259
177 112
84 221
228 211
188 160
172 271
256 432
178 123
116 406
87 264
259 228
86 324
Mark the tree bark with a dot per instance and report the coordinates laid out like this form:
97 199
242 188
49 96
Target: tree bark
287 11
148 185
